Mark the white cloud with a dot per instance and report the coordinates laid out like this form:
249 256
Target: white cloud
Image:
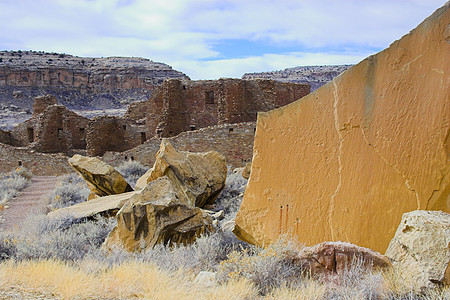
182 33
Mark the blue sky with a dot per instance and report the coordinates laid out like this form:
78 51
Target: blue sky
209 39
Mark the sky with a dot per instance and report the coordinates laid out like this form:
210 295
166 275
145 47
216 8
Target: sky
210 39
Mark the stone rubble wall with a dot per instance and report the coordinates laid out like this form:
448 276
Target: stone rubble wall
179 105
234 141
40 164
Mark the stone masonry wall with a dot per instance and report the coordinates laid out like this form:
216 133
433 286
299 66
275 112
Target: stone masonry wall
37 163
42 102
56 129
113 134
179 105
234 141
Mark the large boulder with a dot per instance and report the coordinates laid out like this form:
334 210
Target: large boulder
198 178
334 258
156 215
104 206
345 162
101 178
420 249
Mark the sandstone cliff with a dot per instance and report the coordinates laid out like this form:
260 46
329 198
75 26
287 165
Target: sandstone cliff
78 82
316 76
345 162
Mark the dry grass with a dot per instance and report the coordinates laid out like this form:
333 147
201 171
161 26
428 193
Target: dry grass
131 279
62 259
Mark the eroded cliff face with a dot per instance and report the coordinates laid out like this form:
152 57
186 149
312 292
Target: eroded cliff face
78 82
345 162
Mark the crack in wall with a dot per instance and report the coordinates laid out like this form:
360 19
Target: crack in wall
341 143
408 186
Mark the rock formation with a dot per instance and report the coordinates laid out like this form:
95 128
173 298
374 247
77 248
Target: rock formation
315 76
420 249
198 178
330 258
157 215
105 206
79 82
345 162
101 178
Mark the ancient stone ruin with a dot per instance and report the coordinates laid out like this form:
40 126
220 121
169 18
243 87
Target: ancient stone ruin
345 163
179 105
175 107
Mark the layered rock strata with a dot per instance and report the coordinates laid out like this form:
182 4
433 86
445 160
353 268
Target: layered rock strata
316 76
79 82
345 162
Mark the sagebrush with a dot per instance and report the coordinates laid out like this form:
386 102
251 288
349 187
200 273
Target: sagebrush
70 190
12 183
131 170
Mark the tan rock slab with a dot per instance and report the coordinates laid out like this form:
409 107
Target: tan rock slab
247 170
198 178
108 205
420 249
156 215
101 178
346 161
331 258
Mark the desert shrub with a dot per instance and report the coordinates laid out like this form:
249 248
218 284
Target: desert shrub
230 198
66 238
267 268
203 255
7 246
12 183
131 171
72 189
356 282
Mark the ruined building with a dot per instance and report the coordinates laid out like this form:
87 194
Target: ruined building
52 129
176 106
179 105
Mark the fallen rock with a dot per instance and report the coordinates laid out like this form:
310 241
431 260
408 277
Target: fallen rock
198 178
345 162
246 171
228 226
156 215
420 249
101 178
104 206
331 258
206 278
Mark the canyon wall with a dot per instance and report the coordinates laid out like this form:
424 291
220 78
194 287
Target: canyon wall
315 76
78 82
345 162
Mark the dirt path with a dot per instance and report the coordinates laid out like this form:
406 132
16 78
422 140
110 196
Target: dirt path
31 199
